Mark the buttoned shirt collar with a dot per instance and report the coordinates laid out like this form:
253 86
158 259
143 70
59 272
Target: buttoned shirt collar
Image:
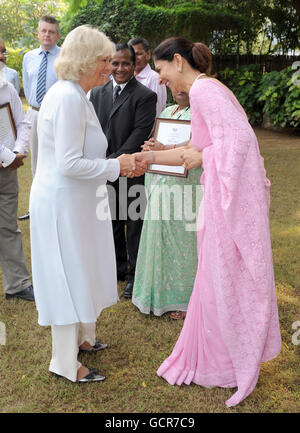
123 85
53 50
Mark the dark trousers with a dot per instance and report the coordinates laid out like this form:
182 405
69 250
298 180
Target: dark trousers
15 273
127 201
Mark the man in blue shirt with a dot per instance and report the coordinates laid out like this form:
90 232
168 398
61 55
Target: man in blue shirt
39 76
9 74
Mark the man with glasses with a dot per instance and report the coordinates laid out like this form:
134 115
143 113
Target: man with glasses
9 74
39 76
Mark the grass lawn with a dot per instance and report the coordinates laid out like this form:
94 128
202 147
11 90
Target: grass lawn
139 343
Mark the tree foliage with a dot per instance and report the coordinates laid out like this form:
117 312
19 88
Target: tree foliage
274 95
123 19
19 19
228 26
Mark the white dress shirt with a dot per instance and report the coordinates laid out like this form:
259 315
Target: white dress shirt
12 77
7 155
149 78
123 85
31 64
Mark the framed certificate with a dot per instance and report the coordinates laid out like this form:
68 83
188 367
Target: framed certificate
8 131
171 131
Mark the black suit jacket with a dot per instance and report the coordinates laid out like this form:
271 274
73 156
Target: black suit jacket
127 123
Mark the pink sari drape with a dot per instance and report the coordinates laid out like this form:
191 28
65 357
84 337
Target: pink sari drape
232 319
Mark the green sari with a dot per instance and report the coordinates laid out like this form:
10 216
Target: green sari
167 258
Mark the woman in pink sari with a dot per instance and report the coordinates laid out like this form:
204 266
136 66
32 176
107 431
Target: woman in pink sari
232 319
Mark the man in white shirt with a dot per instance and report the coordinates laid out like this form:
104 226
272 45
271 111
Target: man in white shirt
145 75
9 74
39 76
16 277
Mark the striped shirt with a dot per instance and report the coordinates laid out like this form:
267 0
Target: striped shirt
20 145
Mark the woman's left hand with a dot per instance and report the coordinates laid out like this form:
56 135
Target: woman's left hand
191 157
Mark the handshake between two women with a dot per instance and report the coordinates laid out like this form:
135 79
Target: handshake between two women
133 165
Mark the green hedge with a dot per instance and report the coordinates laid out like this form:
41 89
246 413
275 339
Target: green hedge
123 19
272 95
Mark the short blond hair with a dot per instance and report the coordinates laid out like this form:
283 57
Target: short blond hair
80 52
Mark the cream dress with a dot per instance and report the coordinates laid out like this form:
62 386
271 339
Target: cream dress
72 249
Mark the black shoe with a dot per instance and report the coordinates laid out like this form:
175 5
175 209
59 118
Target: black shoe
97 346
26 294
92 376
128 291
24 217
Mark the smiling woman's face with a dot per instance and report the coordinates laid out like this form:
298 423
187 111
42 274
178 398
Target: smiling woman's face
101 74
169 75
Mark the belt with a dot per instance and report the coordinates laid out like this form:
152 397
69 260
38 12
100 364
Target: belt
34 108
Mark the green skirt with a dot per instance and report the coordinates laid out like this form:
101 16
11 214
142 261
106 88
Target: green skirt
167 258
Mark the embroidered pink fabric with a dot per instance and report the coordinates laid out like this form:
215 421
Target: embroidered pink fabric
232 319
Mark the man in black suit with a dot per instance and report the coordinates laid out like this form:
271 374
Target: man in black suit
126 110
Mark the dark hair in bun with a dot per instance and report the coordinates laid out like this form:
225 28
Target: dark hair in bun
197 54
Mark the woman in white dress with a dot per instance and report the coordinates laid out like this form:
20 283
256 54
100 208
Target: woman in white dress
72 249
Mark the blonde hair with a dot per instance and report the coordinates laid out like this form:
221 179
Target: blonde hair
80 52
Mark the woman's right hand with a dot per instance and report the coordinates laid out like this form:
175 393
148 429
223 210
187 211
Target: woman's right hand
152 144
130 167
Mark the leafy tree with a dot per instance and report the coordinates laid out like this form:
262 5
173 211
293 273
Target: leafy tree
19 19
284 26
228 26
123 19
273 95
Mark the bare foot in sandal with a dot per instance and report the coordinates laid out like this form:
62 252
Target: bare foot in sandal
178 315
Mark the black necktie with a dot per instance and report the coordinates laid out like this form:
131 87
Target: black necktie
116 93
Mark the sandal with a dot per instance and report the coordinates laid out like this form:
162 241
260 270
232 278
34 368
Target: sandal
178 315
